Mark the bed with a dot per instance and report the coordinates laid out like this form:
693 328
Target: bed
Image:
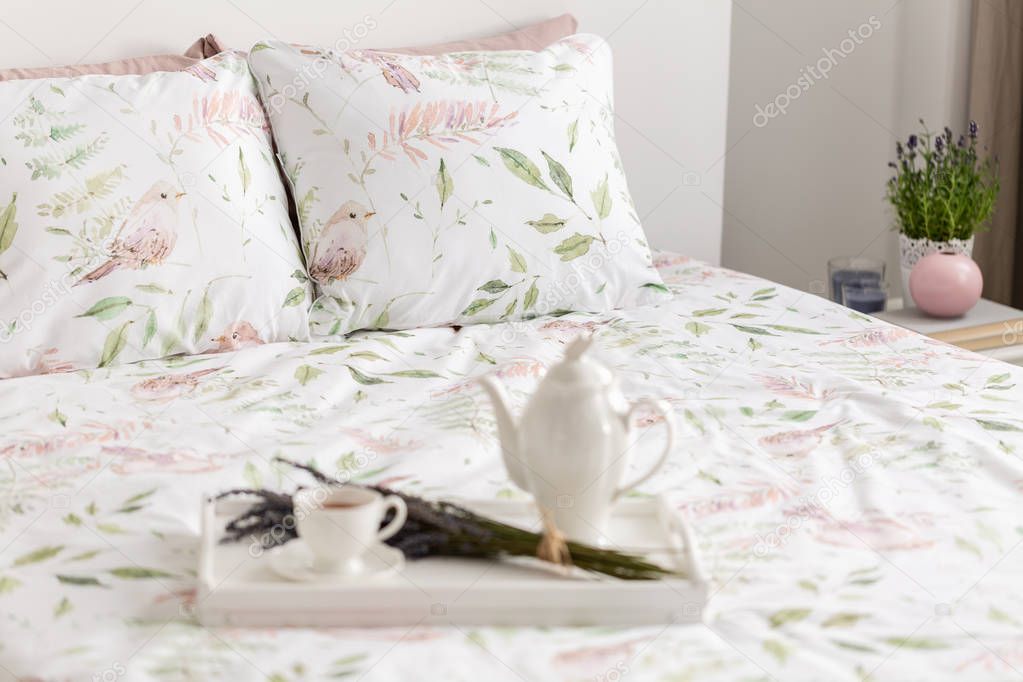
854 487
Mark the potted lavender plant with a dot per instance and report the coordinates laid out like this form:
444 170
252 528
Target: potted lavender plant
942 193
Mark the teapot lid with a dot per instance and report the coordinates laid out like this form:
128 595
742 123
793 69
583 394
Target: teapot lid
580 368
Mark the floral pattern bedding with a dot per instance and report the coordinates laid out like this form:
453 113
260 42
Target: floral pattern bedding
142 216
855 489
458 188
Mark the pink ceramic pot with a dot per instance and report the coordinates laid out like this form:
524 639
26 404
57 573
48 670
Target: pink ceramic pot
945 284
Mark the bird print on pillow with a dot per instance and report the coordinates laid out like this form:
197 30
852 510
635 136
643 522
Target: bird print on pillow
341 245
236 337
151 229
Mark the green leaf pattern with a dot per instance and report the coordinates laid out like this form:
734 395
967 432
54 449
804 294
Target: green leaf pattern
820 585
83 167
522 181
8 228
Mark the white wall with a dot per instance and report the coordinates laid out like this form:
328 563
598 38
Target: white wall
671 69
809 185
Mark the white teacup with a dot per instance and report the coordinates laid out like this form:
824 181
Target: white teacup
341 525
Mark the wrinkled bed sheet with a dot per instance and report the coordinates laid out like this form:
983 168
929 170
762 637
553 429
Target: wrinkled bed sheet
855 489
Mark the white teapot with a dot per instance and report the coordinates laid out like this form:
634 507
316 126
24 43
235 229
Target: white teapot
571 445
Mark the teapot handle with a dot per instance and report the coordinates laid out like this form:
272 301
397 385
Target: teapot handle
664 409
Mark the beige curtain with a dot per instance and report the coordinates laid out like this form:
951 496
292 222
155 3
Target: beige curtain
996 102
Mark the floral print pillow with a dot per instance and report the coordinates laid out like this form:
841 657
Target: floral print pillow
457 188
140 217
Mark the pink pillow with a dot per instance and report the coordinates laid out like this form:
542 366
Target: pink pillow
533 37
207 46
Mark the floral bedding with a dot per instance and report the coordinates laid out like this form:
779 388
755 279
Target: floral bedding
142 216
855 489
458 188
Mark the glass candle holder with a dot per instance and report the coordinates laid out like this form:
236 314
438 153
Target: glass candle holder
852 270
865 296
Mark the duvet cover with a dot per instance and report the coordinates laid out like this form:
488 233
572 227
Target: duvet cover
855 489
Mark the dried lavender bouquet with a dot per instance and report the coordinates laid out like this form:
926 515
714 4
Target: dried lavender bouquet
436 528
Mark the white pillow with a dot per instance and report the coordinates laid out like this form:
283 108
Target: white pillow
459 188
142 216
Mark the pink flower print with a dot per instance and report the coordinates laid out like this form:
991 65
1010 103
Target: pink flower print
873 530
668 260
202 72
873 337
167 387
565 330
753 495
130 460
73 440
797 443
47 362
794 388
583 47
515 369
395 74
439 124
596 660
520 369
235 112
387 445
1002 660
389 64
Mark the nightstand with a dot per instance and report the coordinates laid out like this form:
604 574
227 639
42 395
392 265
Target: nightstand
990 329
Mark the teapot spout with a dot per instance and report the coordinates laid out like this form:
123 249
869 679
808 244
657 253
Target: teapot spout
507 431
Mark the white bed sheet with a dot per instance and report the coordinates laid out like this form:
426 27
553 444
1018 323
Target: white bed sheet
855 488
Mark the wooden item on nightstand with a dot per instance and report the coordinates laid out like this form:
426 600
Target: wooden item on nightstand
990 328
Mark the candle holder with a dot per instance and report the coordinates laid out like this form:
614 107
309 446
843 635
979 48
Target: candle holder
853 270
865 296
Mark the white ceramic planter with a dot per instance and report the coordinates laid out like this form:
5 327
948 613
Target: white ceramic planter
912 250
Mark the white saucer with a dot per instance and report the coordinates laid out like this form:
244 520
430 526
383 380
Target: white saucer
294 561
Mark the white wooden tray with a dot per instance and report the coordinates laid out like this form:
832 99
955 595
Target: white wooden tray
239 589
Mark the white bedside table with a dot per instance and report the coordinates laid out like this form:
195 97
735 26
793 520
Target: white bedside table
990 329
